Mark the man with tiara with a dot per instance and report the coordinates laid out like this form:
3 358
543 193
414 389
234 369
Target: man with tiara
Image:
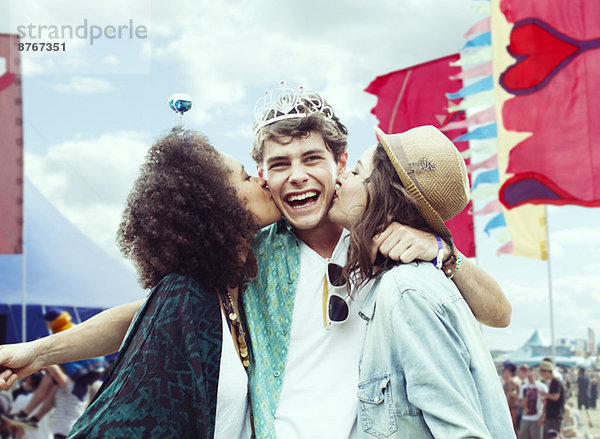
304 377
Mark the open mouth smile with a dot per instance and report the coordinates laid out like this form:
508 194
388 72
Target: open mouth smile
305 199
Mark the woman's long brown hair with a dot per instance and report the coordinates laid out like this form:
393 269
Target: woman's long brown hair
387 201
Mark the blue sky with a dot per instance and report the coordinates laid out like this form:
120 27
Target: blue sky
91 112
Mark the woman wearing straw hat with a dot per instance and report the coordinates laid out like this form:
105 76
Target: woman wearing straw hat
424 371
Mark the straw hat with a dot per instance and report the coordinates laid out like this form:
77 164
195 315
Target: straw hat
432 170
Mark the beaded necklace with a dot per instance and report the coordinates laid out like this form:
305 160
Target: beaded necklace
233 318
235 321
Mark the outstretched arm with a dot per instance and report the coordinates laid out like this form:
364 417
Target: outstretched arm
100 335
483 295
481 291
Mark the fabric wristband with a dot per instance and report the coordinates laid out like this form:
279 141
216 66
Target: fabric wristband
437 261
452 264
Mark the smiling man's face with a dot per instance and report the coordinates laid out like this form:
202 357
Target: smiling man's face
301 177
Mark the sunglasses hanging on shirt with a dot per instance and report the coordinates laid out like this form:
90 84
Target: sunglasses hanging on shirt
336 310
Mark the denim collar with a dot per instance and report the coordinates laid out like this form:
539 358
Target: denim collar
368 306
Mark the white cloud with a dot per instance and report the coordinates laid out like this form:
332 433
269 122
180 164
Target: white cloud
34 66
585 237
111 60
241 132
84 85
335 50
88 180
525 293
575 300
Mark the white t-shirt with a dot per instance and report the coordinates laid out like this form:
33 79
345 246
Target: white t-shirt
533 400
233 417
318 394
67 409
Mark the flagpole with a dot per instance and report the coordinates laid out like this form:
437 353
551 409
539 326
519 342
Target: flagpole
23 273
550 284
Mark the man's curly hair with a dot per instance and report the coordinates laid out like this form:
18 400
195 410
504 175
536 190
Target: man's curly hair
182 215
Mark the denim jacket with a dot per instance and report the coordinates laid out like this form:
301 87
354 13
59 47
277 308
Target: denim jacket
425 371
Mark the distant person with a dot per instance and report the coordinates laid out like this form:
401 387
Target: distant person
555 399
44 427
41 402
574 411
583 389
593 390
522 376
21 396
569 427
532 405
511 384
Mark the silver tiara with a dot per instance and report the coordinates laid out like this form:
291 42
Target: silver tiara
288 103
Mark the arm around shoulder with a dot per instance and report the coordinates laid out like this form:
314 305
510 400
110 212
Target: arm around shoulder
483 295
481 291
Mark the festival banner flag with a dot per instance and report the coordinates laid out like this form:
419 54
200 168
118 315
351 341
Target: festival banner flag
490 163
417 96
484 39
526 223
494 206
478 103
489 176
485 192
483 132
11 147
481 26
486 98
552 97
495 222
479 118
484 69
478 57
489 146
484 84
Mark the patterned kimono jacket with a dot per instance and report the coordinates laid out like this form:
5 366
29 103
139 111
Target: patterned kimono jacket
164 381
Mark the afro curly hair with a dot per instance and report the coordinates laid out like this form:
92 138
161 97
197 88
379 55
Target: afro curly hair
182 215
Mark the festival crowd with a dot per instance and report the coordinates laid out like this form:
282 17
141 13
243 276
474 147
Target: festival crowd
548 400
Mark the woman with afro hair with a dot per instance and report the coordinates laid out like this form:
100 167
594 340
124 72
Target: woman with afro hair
187 226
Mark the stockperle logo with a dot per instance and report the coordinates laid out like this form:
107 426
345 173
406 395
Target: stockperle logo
86 31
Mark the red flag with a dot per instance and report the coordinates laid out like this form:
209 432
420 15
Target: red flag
11 147
556 46
417 96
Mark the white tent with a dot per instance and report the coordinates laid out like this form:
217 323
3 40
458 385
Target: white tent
536 349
